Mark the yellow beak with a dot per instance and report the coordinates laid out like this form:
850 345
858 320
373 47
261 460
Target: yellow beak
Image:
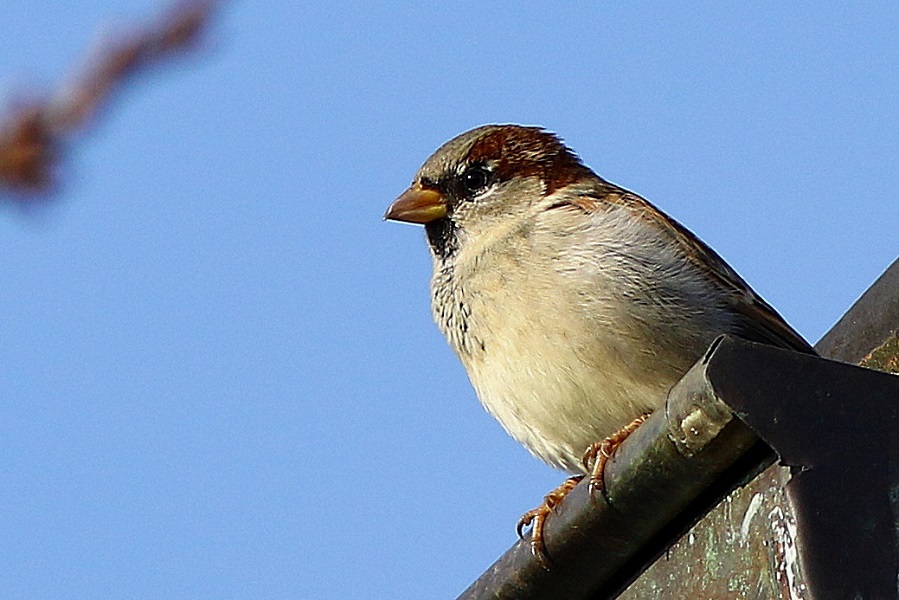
417 205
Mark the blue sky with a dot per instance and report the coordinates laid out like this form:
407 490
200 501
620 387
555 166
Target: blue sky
219 377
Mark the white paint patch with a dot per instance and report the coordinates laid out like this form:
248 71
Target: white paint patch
787 559
751 511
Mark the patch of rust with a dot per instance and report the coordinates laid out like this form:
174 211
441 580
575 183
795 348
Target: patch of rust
884 358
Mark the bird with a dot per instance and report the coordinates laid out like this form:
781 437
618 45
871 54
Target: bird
573 304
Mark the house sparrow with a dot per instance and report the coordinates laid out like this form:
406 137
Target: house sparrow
573 304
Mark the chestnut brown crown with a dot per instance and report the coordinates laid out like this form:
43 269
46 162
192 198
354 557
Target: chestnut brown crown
484 159
518 151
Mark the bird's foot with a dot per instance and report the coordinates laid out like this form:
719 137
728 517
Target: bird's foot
597 455
536 518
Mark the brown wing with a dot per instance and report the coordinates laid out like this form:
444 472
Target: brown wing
761 323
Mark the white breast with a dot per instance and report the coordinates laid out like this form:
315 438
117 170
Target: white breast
568 337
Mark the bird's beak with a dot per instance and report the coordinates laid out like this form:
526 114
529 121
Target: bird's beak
417 205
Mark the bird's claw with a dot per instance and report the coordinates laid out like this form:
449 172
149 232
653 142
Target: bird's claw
537 517
598 454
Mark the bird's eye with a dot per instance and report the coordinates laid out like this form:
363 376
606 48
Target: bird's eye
475 179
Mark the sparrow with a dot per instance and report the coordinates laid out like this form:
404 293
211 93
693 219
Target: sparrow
573 304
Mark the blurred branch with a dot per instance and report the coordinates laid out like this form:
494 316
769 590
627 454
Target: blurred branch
33 134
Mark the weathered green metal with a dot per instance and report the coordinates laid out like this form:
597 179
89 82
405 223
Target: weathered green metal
744 549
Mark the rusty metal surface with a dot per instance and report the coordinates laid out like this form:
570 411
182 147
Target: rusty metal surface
885 357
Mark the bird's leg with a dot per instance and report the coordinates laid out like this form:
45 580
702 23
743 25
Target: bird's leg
537 517
595 459
597 455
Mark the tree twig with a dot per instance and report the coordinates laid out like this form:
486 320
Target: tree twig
34 134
